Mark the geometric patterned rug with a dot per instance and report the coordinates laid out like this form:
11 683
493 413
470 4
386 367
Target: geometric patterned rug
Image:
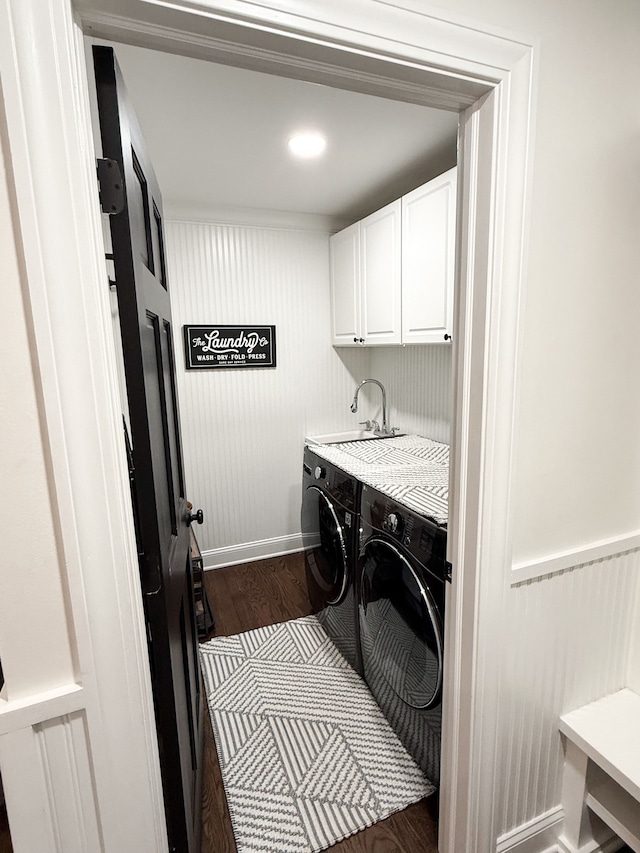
307 757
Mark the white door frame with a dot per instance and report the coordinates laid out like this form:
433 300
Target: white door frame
396 47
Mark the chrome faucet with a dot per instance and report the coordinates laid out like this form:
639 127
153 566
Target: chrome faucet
381 432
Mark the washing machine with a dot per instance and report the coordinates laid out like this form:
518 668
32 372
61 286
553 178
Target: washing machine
401 582
330 525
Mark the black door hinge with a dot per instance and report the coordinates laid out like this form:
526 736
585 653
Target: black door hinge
448 570
112 282
111 186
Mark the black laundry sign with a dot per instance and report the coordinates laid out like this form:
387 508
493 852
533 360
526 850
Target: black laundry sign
229 346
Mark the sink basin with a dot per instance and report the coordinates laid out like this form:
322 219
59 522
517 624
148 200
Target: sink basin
340 437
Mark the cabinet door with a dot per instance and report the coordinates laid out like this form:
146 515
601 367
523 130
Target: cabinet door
344 250
428 260
381 268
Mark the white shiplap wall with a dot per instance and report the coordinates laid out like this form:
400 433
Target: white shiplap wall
567 641
243 431
418 383
633 668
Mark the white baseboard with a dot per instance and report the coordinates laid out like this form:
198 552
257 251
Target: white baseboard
249 551
543 834
610 846
539 835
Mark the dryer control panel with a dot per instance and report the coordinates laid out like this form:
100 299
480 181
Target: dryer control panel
420 537
334 482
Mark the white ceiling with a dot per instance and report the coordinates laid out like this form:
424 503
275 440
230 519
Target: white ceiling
217 137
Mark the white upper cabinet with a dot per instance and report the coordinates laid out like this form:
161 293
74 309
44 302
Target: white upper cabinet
428 261
381 301
365 280
392 273
346 326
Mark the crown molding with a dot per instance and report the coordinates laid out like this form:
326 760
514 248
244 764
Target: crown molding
243 54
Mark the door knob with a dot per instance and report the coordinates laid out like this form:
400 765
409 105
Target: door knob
195 516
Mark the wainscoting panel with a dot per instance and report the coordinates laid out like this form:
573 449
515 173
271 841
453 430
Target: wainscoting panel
243 430
62 744
566 642
48 775
633 666
536 836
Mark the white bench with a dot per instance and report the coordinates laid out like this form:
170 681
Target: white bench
602 770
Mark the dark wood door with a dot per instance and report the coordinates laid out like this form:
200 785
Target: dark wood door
162 516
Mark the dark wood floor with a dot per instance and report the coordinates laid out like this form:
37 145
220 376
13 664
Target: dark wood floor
5 837
250 596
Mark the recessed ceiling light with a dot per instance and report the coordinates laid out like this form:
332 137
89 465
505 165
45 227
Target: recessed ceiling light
307 145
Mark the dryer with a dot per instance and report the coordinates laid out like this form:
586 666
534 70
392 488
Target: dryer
330 525
401 579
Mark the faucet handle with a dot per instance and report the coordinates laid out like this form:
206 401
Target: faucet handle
371 425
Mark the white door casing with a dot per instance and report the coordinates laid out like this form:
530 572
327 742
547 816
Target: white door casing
406 50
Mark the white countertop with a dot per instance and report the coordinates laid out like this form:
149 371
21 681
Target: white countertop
408 468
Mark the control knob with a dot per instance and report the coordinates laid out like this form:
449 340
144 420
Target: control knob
320 473
393 522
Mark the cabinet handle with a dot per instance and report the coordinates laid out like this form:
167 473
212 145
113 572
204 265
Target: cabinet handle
355 340
448 337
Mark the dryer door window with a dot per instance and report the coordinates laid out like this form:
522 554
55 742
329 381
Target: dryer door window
324 538
400 627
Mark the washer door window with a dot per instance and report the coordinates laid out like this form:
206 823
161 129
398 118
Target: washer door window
400 628
327 554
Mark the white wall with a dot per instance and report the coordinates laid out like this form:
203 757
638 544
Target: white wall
25 501
418 384
243 430
579 454
571 637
